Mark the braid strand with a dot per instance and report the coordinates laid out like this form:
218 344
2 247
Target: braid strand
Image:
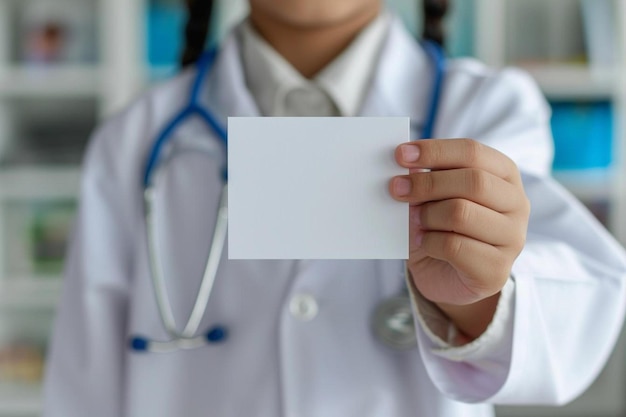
434 13
196 30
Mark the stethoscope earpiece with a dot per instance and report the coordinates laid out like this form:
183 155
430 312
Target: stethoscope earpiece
217 334
139 344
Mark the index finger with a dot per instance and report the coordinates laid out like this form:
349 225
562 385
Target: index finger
441 154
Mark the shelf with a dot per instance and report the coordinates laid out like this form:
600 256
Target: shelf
573 81
30 293
39 183
587 184
56 81
20 400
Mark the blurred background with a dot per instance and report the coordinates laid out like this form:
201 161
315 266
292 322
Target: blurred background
67 64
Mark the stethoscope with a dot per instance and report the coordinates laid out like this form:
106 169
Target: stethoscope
392 320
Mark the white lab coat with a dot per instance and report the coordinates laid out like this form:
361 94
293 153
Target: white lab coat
569 280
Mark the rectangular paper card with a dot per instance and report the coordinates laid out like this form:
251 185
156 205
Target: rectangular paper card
315 188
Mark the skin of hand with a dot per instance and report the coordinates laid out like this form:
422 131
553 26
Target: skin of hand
468 218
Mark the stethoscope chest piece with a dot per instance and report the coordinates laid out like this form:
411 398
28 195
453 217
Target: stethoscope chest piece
393 323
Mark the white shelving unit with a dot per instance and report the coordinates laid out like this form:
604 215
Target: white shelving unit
59 82
94 88
22 401
619 149
576 82
570 82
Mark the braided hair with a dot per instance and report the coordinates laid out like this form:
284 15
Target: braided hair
434 12
200 11
196 31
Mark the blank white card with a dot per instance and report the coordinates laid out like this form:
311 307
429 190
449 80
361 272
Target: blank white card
315 188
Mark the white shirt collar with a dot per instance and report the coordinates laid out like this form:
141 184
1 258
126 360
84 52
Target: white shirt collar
347 78
343 83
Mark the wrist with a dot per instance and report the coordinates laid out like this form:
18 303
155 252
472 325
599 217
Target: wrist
472 319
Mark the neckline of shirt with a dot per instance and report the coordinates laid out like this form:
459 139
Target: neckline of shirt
344 82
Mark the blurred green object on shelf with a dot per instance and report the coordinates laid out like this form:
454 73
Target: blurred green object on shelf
49 233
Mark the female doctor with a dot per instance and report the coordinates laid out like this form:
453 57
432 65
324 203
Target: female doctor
511 305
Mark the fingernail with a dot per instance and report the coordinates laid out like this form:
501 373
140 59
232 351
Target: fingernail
410 153
401 186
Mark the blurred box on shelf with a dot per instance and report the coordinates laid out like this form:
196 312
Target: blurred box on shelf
540 31
21 363
600 32
36 236
44 131
24 339
165 34
583 135
57 31
49 233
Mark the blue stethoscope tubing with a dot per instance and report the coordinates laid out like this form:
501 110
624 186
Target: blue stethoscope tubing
188 338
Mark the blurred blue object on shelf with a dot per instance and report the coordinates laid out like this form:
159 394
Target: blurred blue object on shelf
583 135
165 27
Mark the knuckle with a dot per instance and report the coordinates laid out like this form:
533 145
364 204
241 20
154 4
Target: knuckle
526 205
501 268
519 206
478 182
512 166
519 243
452 246
435 152
425 182
471 150
460 214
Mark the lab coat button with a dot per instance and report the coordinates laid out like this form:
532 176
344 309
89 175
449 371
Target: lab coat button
303 307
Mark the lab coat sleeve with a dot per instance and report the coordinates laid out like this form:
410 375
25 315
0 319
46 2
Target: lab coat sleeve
449 341
84 371
569 281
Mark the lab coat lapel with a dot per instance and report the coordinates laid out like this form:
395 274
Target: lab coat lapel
225 92
402 82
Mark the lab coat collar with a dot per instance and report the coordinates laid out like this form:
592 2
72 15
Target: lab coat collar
226 93
402 82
